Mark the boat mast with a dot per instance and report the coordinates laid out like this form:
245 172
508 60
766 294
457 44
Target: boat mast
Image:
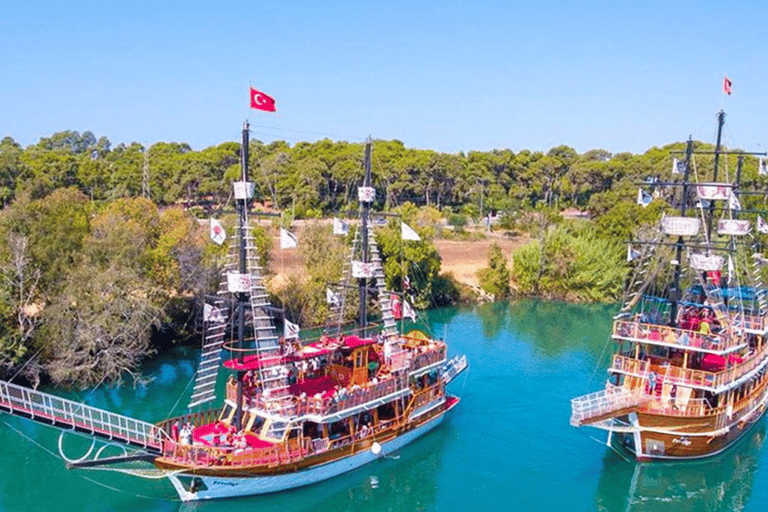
363 283
718 150
242 297
676 293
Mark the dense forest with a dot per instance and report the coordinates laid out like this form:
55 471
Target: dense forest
103 258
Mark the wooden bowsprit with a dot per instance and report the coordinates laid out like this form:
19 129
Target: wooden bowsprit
68 415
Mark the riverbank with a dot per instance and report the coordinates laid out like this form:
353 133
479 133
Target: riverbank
462 258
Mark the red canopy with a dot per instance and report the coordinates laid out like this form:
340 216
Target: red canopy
354 341
251 362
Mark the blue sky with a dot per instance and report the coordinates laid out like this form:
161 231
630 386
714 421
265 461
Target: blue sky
445 75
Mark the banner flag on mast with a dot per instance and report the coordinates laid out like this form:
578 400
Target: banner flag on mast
287 239
340 227
763 167
643 198
733 201
408 233
762 226
290 330
408 311
727 85
261 101
212 314
731 270
331 298
218 234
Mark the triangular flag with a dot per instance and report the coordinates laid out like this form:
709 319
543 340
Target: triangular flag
632 254
218 234
762 168
727 85
643 198
408 311
287 239
762 226
731 270
340 227
406 283
290 330
733 201
331 297
407 232
675 169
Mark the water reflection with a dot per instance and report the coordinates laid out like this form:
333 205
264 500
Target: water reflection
721 483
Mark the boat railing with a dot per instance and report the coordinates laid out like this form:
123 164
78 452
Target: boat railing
428 395
754 323
199 455
347 398
68 414
605 402
428 357
665 405
630 366
676 337
689 376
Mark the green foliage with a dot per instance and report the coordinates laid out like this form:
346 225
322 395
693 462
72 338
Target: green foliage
570 262
417 259
494 279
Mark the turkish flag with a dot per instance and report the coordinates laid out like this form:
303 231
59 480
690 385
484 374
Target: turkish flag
727 85
261 101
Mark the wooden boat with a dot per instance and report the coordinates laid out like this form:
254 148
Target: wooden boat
295 412
688 374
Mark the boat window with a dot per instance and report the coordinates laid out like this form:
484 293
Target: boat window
275 430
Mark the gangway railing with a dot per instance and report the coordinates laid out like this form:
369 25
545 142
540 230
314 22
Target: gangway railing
454 367
66 414
604 404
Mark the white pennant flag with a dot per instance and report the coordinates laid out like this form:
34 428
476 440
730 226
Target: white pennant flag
675 166
731 270
408 311
643 198
733 201
408 233
762 226
331 297
287 239
632 254
218 234
762 168
290 330
340 227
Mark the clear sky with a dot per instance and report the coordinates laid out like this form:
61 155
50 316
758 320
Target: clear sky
445 75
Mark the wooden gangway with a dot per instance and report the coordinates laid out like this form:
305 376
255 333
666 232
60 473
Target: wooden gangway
69 415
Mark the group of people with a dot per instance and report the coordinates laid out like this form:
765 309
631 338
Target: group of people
700 319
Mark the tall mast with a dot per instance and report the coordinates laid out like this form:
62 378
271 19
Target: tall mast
718 150
242 297
363 283
675 292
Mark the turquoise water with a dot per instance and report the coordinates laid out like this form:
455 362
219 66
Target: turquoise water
507 446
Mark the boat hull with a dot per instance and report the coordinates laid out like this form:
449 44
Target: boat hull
651 442
212 487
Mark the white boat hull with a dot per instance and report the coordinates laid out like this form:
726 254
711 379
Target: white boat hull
222 487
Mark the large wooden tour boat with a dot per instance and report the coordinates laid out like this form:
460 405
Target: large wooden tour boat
688 375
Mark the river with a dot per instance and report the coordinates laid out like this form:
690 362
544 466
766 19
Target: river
507 446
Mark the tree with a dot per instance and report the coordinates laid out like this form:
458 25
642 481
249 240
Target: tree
494 279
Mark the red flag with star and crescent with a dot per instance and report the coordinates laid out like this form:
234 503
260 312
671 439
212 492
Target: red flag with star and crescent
727 85
261 101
